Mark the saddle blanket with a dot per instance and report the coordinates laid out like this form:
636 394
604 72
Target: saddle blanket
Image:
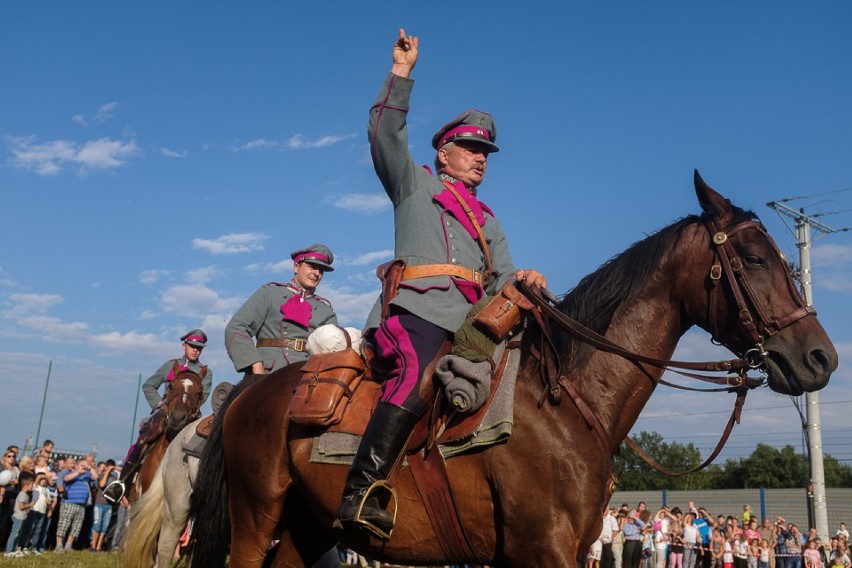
339 447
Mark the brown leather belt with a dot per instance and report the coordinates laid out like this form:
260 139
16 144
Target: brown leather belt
427 270
294 344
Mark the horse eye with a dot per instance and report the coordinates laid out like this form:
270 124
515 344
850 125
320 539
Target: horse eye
754 260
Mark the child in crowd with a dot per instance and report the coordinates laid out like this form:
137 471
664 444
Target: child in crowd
23 504
753 552
31 536
728 556
763 557
811 556
746 514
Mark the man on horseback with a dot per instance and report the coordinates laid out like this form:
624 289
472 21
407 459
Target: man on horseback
281 316
193 343
455 252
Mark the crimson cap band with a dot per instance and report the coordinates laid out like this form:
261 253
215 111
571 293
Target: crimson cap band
316 254
196 338
472 125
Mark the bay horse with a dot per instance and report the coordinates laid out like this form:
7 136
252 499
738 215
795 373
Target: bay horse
535 499
159 516
182 400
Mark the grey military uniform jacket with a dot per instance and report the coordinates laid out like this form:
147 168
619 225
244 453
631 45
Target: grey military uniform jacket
261 317
151 387
430 225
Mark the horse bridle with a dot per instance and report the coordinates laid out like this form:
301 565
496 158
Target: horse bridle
195 400
727 263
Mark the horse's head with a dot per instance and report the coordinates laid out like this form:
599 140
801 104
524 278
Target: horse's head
755 308
182 398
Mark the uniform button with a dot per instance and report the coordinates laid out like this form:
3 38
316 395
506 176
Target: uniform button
452 236
448 222
454 260
453 247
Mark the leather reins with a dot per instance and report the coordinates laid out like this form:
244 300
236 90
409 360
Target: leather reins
727 263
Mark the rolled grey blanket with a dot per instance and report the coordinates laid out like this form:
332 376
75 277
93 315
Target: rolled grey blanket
466 384
220 393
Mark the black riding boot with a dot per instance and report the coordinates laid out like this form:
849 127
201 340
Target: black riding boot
118 488
380 447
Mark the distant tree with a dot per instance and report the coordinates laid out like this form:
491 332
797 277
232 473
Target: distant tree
634 474
767 467
836 473
773 468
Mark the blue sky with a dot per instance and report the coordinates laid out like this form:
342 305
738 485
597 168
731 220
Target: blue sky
160 161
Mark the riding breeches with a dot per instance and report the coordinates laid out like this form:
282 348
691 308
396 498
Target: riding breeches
405 345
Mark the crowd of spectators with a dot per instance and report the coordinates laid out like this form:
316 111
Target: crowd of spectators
50 502
672 538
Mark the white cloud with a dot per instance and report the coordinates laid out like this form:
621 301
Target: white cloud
80 119
152 275
351 307
132 340
6 280
281 267
195 301
363 202
147 314
49 158
172 153
23 304
231 244
105 112
201 275
257 145
296 142
372 257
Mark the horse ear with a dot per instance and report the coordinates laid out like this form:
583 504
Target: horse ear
203 372
175 367
713 203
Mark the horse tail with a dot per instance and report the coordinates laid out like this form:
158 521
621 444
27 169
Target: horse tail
140 543
211 530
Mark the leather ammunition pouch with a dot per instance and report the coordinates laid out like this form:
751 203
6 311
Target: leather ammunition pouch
503 313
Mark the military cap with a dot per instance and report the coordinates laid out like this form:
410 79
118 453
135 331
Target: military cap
316 254
472 125
195 337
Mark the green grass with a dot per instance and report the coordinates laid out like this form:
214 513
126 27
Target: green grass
65 560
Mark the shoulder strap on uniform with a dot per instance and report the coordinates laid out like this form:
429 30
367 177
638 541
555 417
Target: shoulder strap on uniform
472 216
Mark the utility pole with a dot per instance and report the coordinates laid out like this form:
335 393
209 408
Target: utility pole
804 224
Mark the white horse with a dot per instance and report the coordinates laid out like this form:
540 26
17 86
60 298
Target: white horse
159 517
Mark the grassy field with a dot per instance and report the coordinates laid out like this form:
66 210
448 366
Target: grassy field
66 560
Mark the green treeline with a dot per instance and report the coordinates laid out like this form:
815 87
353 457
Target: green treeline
767 467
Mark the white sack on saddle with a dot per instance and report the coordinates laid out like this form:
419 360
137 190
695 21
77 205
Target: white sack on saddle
329 338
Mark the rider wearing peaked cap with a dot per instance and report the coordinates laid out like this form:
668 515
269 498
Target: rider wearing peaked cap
194 341
452 262
281 316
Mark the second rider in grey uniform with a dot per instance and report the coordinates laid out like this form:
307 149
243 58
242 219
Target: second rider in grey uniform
281 316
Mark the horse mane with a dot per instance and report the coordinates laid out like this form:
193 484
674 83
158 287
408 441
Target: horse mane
599 296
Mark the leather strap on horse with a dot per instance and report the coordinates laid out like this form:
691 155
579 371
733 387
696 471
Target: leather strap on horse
601 343
433 483
734 419
472 216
